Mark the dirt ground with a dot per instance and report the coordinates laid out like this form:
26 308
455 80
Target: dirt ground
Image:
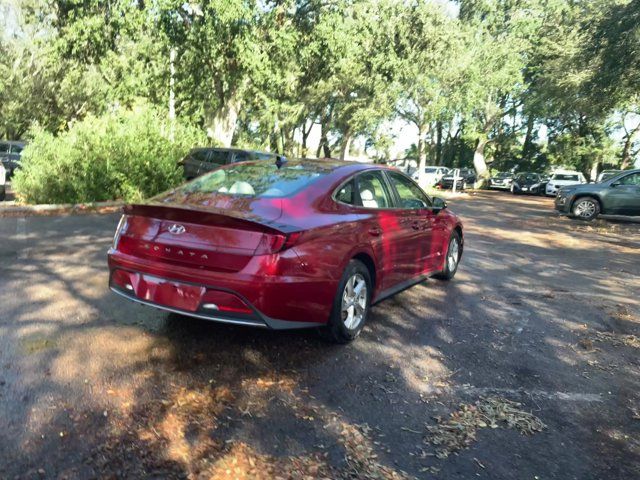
544 312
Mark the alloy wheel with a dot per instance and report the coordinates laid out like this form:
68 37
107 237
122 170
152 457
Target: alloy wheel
585 209
453 254
354 301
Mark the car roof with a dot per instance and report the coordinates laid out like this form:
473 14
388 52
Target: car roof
20 143
233 149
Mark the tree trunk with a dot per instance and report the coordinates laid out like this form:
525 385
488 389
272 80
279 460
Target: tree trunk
346 143
221 123
305 137
528 138
594 170
479 162
439 143
422 156
626 150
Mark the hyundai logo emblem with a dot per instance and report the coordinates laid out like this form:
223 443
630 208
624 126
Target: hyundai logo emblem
177 229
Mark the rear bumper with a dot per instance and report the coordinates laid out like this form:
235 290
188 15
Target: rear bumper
283 302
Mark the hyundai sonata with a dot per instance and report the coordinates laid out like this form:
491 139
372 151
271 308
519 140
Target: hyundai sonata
285 244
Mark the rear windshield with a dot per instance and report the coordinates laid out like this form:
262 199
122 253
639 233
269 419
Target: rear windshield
560 176
263 180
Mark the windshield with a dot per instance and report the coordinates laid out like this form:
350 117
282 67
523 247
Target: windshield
263 180
565 176
431 170
527 177
503 175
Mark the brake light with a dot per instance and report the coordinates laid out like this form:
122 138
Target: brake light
122 227
274 243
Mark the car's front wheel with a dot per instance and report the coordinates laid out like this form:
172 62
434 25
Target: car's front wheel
351 305
454 250
586 208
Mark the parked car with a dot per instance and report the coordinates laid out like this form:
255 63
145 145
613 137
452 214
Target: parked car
202 160
10 153
501 181
564 178
465 178
305 243
619 195
528 182
3 181
432 174
607 174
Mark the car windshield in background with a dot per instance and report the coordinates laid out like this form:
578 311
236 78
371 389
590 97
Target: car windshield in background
503 175
430 170
529 177
559 176
263 180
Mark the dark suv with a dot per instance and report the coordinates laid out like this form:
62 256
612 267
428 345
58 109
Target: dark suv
619 195
202 160
467 177
10 153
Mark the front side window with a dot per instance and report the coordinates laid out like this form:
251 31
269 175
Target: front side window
410 195
372 190
4 148
633 179
218 157
200 155
16 149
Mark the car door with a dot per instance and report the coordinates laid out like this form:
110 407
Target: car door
387 237
416 215
623 196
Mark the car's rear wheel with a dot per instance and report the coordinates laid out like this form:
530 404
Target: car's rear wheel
454 250
351 304
586 208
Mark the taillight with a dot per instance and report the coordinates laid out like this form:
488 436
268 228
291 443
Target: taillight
122 227
274 243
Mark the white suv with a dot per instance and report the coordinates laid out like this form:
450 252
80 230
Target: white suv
432 174
561 179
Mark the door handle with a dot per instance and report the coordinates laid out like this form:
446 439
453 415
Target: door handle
375 231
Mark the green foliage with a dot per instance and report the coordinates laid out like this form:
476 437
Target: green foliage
479 86
121 155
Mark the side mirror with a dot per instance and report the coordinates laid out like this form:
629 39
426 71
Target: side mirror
615 184
439 204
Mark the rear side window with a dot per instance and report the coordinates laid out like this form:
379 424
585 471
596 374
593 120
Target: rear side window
346 193
4 148
263 180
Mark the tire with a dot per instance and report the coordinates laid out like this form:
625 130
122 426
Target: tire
585 208
344 324
451 265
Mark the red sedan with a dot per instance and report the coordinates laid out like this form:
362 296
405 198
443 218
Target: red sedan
284 245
